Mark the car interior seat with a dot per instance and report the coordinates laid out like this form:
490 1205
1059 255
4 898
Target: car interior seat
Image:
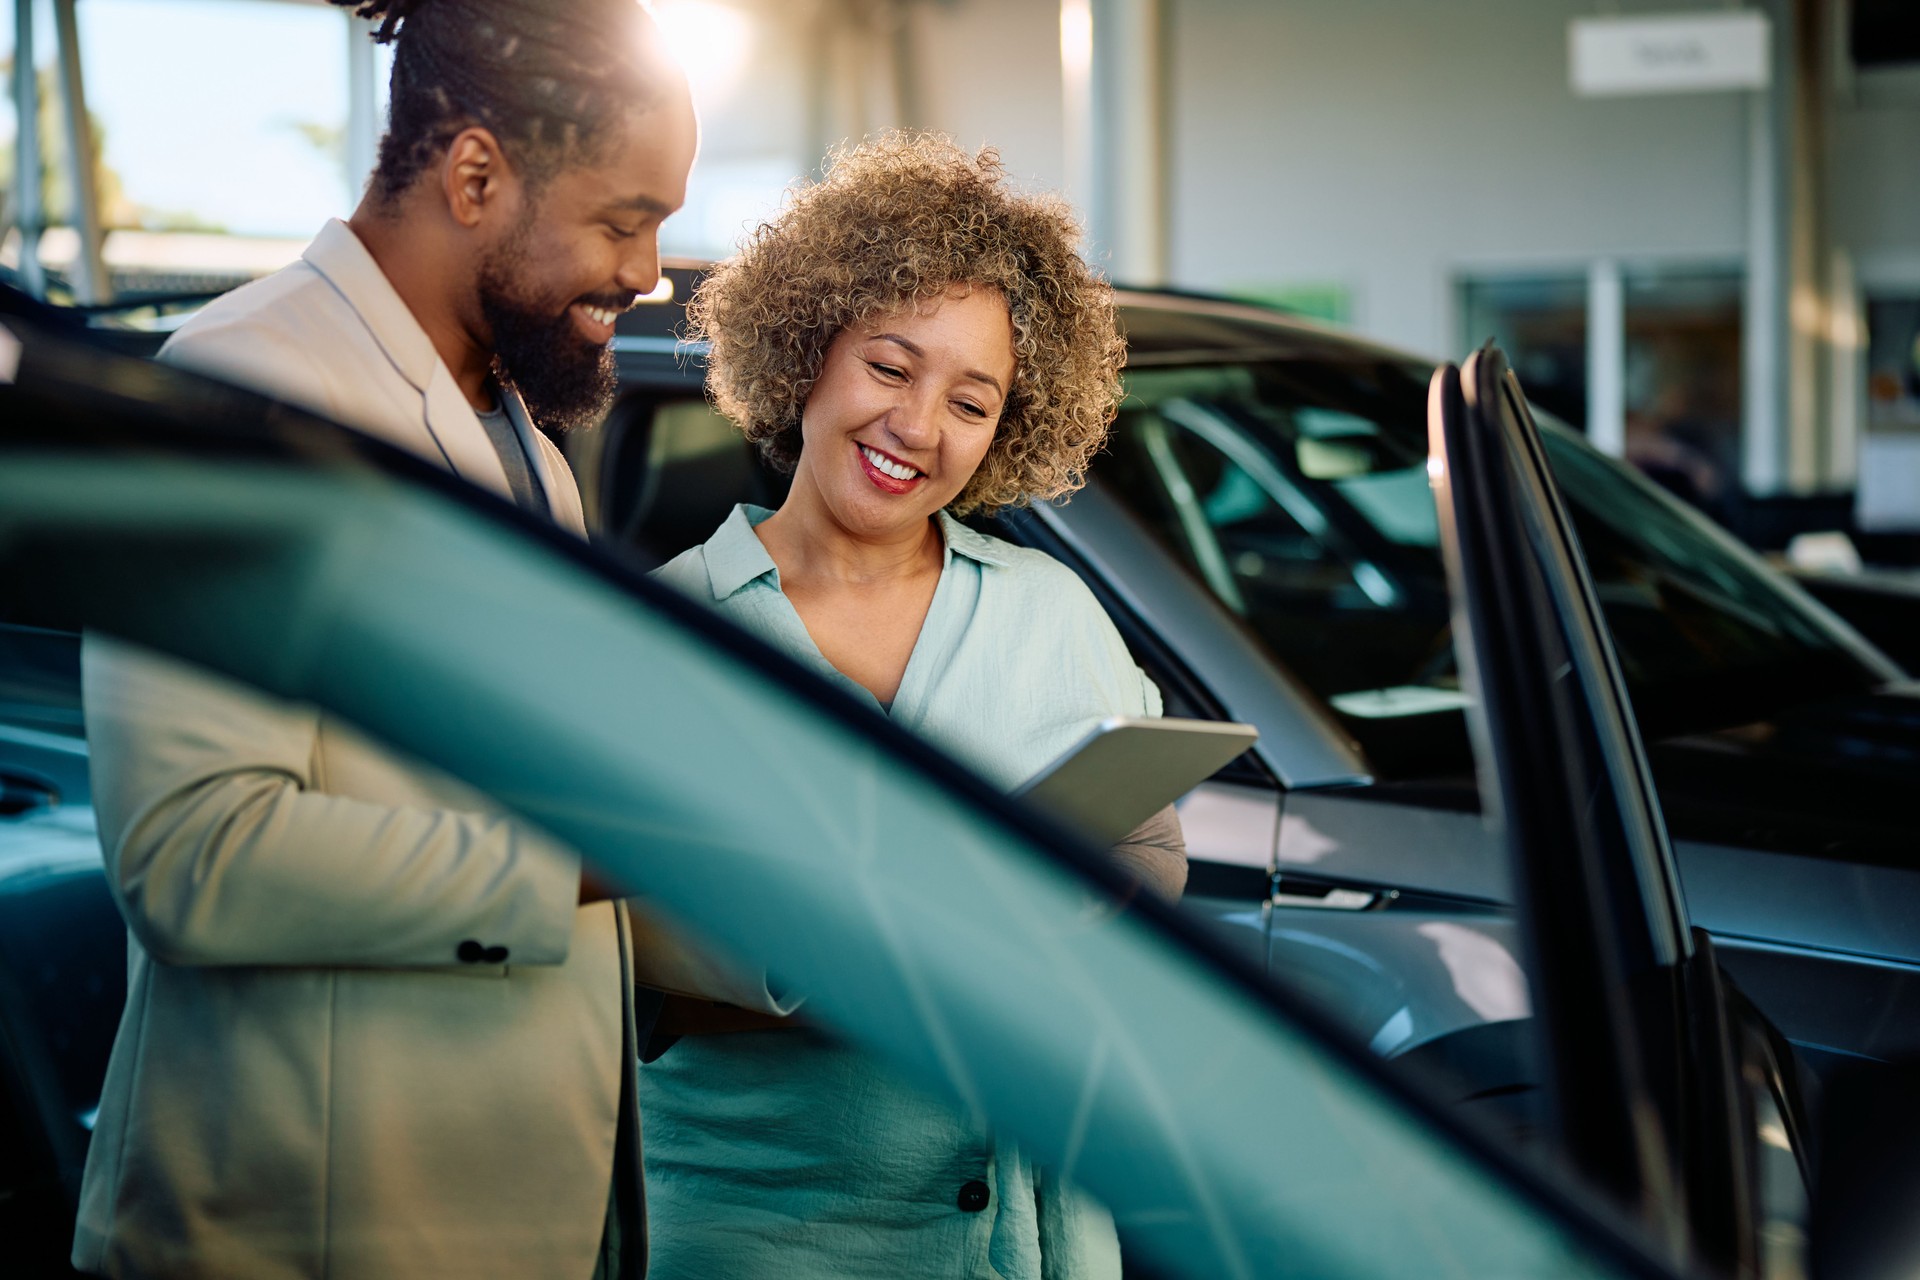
675 472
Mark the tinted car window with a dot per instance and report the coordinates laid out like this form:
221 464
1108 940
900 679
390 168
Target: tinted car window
1295 489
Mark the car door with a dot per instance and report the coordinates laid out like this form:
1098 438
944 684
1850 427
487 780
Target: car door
1659 1085
1391 913
1230 1130
1281 466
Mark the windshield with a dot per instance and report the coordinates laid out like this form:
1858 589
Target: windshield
1296 490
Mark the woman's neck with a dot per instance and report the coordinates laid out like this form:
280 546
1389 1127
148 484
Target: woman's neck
808 545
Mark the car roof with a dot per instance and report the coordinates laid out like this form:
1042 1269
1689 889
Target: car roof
1162 326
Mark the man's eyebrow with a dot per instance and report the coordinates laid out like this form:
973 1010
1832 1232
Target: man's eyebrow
642 204
914 348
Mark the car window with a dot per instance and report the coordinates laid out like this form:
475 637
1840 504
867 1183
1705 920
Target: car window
985 961
1295 490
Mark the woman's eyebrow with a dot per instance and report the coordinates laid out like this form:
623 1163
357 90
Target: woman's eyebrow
914 349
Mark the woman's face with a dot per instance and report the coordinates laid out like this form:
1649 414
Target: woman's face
905 409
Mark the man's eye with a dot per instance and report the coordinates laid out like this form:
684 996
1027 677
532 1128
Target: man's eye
620 233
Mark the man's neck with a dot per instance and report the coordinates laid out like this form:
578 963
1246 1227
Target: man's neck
436 286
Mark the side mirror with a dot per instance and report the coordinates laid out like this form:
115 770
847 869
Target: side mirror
1867 1174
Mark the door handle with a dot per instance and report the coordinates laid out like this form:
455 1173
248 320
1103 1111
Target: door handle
1293 892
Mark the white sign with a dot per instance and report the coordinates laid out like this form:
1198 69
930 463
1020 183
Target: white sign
1674 53
1888 499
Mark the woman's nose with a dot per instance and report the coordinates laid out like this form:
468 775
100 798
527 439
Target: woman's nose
915 422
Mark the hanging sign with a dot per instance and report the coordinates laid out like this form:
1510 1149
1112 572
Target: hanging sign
1672 53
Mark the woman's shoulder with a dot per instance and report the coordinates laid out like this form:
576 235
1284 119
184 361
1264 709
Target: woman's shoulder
730 557
1036 583
686 572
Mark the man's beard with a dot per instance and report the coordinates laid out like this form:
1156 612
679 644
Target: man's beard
566 381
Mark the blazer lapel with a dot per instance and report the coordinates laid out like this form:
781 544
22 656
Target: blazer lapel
449 428
549 468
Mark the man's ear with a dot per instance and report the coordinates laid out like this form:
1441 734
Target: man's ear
476 180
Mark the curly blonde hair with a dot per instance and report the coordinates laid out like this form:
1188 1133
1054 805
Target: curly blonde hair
900 219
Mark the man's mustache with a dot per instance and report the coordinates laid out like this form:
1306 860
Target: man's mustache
615 302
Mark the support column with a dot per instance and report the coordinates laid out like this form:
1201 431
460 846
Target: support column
90 283
1606 358
29 201
363 108
1790 446
1763 337
1122 128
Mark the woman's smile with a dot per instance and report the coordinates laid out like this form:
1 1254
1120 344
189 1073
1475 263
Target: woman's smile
888 473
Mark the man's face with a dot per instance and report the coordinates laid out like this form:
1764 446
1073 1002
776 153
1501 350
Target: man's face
586 246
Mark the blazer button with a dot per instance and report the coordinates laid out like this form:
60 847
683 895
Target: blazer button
495 955
471 952
973 1196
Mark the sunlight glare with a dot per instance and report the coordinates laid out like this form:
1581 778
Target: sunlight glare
710 42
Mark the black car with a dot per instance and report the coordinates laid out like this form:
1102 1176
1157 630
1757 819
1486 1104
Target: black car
1262 530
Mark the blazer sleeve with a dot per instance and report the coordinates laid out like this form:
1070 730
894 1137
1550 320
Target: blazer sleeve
221 850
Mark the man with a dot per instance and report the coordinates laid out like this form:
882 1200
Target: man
374 1027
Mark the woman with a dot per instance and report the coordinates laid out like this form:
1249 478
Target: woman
914 342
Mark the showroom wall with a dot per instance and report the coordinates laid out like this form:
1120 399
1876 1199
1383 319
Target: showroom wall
1384 147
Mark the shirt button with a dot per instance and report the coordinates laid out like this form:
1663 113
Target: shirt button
471 952
495 955
973 1196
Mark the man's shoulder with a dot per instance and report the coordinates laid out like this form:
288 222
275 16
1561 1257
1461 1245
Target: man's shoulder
291 304
289 335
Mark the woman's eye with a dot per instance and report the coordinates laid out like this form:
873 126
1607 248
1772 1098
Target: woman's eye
886 370
969 408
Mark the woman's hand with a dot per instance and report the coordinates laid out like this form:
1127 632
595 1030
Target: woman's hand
1155 855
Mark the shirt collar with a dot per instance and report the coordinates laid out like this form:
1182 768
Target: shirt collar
974 546
735 555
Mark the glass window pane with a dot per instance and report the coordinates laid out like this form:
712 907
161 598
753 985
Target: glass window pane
1297 494
1893 363
9 120
1683 383
1541 323
221 129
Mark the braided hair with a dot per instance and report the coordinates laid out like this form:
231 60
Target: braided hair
545 77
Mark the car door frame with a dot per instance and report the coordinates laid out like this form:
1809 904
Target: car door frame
1648 1051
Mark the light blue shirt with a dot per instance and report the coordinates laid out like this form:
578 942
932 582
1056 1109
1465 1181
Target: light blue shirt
785 1154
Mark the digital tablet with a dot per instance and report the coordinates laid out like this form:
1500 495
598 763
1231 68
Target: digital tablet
1129 768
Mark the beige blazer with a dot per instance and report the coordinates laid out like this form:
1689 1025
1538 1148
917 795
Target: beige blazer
368 1031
